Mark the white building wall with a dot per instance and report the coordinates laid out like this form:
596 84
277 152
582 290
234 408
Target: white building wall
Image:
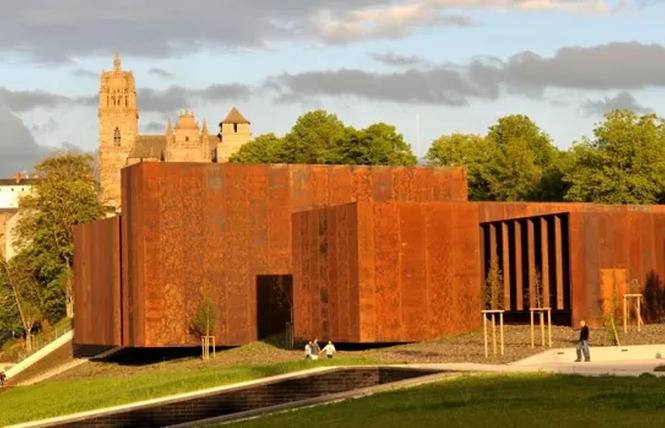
9 195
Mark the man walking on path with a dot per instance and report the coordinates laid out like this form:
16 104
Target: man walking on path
583 344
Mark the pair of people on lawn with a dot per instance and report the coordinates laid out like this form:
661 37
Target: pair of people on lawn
312 350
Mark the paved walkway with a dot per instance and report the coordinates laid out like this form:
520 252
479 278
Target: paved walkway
618 368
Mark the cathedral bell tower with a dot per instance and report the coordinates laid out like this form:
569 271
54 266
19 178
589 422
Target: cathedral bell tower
118 127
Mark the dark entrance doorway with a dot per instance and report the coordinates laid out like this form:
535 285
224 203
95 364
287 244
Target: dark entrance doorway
274 300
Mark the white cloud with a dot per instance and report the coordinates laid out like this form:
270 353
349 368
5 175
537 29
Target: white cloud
40 28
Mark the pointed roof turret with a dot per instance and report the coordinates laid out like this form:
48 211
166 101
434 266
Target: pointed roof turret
117 63
204 128
169 127
235 116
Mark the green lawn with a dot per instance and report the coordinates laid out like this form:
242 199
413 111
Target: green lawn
48 399
495 401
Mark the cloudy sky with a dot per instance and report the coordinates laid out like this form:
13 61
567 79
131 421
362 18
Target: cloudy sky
430 67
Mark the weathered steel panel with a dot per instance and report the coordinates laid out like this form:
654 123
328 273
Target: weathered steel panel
493 252
531 257
324 277
558 253
366 273
402 180
467 281
441 311
386 259
545 262
413 269
352 249
336 305
381 181
519 269
299 259
505 246
97 307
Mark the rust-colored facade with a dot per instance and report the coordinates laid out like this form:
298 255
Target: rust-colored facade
386 272
370 254
569 246
97 283
190 229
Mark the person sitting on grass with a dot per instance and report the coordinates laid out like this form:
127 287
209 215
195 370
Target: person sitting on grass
308 350
315 350
329 349
583 344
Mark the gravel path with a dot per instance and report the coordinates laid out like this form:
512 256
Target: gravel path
468 347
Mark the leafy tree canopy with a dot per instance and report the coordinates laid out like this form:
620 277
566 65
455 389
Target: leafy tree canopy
465 150
319 137
623 163
65 194
515 161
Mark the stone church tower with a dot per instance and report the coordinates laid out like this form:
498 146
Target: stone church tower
234 131
121 145
118 127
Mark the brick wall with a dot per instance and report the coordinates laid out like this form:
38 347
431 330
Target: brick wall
252 397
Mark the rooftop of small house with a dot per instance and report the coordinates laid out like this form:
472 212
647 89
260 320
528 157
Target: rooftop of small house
19 180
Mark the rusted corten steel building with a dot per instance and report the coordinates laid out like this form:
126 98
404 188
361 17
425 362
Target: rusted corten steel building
360 254
571 247
219 227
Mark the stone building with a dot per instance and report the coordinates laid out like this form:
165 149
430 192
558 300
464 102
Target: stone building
11 189
121 145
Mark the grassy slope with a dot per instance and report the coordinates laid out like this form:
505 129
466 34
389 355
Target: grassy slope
71 396
495 401
102 384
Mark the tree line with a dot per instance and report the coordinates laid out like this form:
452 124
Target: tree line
623 162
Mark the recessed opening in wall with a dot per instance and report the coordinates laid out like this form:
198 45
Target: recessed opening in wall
533 255
117 138
274 303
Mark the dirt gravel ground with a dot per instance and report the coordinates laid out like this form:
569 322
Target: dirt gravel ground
468 347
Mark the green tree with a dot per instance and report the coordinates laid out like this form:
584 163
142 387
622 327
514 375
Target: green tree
526 164
65 194
378 144
316 138
465 150
20 296
515 161
203 321
622 164
319 137
266 148
494 295
9 317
